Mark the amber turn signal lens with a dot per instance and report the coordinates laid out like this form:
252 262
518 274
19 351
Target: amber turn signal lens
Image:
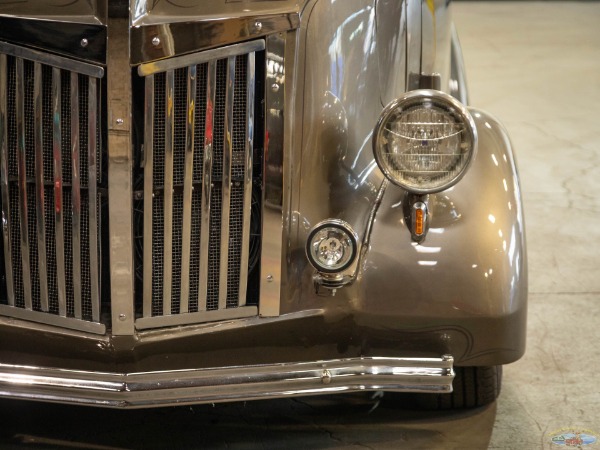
419 222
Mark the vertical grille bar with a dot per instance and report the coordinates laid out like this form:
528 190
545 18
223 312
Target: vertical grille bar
76 195
168 192
58 192
148 192
93 196
187 190
39 188
247 178
207 163
226 182
20 110
4 180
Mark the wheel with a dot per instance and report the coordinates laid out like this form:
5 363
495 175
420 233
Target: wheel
473 387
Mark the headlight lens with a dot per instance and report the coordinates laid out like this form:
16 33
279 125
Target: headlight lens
331 246
424 141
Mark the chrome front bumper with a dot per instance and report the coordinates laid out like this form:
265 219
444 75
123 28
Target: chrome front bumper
139 390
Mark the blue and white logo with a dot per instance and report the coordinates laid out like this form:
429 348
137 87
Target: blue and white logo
573 437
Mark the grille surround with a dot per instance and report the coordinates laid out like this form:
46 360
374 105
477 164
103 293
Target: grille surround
198 183
50 199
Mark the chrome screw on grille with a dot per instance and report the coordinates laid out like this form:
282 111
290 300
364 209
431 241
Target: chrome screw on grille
270 278
156 41
258 26
122 317
84 42
275 87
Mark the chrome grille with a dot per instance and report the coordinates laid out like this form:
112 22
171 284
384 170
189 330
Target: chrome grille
49 142
198 157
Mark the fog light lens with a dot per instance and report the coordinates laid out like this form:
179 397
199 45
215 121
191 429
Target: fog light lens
331 246
425 141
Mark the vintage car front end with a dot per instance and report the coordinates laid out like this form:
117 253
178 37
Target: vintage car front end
210 201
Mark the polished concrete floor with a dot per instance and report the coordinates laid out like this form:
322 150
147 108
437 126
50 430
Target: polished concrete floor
536 67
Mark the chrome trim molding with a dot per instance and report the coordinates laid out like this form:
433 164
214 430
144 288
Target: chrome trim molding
413 43
152 12
136 390
56 37
4 181
176 39
458 86
53 320
274 163
148 191
147 323
200 58
88 11
93 198
436 37
120 163
249 142
52 60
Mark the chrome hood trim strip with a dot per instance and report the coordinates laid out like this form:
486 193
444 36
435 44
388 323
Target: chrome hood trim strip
143 12
79 11
52 60
153 12
154 42
136 390
199 58
82 41
196 28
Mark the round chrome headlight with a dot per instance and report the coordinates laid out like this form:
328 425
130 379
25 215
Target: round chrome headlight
425 141
331 246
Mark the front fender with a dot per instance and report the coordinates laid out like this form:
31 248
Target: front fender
471 271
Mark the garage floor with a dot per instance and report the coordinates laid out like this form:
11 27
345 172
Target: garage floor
536 66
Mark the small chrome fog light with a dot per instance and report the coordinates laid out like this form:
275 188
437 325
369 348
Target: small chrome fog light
331 246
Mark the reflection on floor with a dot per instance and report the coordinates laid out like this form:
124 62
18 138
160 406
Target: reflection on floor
536 67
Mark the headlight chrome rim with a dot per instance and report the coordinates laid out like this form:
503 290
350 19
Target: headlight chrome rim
439 100
345 228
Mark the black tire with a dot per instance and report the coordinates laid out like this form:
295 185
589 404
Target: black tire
473 387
